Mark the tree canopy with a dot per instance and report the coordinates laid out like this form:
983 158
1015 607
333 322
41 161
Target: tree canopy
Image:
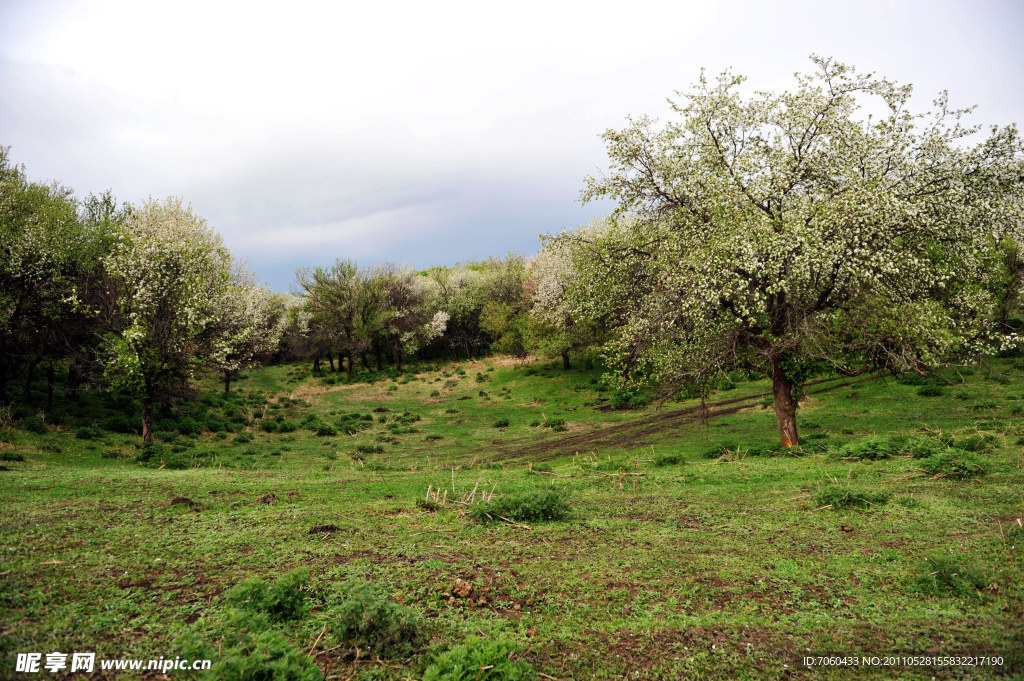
784 236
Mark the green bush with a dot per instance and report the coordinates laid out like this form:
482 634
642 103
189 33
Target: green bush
369 621
369 449
543 505
479 660
326 430
976 442
268 426
871 449
261 656
12 456
844 497
243 438
954 464
87 433
501 423
716 449
662 460
189 426
34 424
282 600
915 446
930 391
946 574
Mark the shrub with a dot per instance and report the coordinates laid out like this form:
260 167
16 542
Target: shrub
434 437
167 436
435 393
954 464
662 460
189 426
52 446
87 433
944 573
243 438
976 442
34 424
12 456
930 391
726 384
844 497
268 426
326 430
283 600
479 660
287 426
262 656
871 449
544 505
216 424
370 622
501 423
369 449
915 446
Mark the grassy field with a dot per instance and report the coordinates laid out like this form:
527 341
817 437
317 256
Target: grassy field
500 512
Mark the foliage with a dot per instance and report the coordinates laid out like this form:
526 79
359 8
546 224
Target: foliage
954 464
479 660
169 274
779 234
282 600
372 623
539 506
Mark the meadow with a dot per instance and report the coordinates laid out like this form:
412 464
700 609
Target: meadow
502 519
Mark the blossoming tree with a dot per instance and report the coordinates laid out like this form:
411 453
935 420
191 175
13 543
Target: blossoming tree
787 236
170 275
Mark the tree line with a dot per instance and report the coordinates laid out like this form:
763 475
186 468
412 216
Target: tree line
775 234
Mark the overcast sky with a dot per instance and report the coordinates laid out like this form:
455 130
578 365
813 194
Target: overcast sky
424 132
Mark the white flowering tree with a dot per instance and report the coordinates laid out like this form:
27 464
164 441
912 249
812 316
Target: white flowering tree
252 320
787 236
42 256
170 275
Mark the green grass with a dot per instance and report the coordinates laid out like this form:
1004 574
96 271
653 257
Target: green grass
681 549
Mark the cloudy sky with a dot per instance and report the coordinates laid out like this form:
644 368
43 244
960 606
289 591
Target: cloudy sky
424 132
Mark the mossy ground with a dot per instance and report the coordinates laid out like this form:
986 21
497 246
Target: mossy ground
699 568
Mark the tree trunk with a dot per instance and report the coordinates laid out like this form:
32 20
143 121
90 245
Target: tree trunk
147 421
227 382
3 380
366 360
565 360
469 355
316 365
28 379
330 358
378 355
398 358
348 366
49 386
785 407
71 385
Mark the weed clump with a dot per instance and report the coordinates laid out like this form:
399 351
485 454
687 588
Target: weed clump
283 600
87 433
946 574
502 423
838 498
251 651
479 660
544 505
954 464
370 622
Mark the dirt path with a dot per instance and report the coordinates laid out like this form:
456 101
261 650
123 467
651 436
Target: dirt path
636 433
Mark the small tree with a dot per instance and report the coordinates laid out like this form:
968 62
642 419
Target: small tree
169 274
786 237
251 320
